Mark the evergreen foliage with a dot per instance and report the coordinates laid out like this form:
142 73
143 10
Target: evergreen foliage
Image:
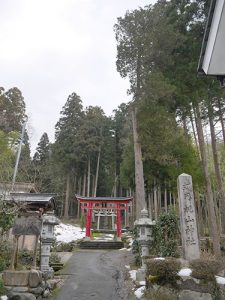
165 234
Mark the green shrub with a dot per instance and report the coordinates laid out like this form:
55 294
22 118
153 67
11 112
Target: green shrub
25 257
162 270
5 255
82 222
137 252
64 247
54 258
1 287
206 268
165 235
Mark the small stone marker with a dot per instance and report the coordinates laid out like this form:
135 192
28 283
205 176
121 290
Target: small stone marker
189 232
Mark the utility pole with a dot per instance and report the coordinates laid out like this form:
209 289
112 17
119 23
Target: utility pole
18 153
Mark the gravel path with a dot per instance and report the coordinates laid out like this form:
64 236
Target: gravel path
95 275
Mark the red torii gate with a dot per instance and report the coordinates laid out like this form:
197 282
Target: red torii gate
101 203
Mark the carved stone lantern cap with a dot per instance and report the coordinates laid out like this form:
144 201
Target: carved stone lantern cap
50 219
144 213
144 219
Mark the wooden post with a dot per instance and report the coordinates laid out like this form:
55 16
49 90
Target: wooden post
35 251
113 225
98 222
15 252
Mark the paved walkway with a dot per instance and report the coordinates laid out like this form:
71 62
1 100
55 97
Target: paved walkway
95 275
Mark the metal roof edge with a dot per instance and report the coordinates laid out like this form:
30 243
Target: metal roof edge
205 37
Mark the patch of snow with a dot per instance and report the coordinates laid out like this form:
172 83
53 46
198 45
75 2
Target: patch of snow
67 233
4 298
123 249
130 240
142 282
220 280
140 292
159 258
133 274
185 272
127 267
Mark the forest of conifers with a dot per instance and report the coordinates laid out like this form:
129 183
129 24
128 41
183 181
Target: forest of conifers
179 121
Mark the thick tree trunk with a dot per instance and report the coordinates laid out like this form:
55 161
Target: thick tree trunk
73 203
221 120
165 199
89 177
97 171
66 204
184 121
213 227
199 214
79 186
195 135
139 174
159 199
219 180
93 186
155 200
84 185
114 190
150 205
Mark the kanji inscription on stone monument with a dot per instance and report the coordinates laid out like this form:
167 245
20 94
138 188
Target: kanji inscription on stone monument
189 232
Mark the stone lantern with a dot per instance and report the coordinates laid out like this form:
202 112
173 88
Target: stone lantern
47 238
144 228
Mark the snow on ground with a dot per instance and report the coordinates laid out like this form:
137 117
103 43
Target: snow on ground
185 272
133 274
140 292
130 241
220 280
67 233
3 298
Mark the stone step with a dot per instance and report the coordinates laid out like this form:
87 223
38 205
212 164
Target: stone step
101 245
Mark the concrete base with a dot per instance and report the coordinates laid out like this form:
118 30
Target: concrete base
24 284
16 278
140 275
21 279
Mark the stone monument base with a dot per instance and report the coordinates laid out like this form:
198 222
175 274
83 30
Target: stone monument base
140 275
25 282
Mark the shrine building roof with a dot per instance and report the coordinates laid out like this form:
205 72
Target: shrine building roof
212 55
34 200
104 199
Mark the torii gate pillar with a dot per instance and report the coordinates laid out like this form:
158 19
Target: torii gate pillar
118 222
88 221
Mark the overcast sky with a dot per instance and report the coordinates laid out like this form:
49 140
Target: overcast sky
51 48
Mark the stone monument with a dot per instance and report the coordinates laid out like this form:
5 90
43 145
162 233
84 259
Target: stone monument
144 226
189 231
